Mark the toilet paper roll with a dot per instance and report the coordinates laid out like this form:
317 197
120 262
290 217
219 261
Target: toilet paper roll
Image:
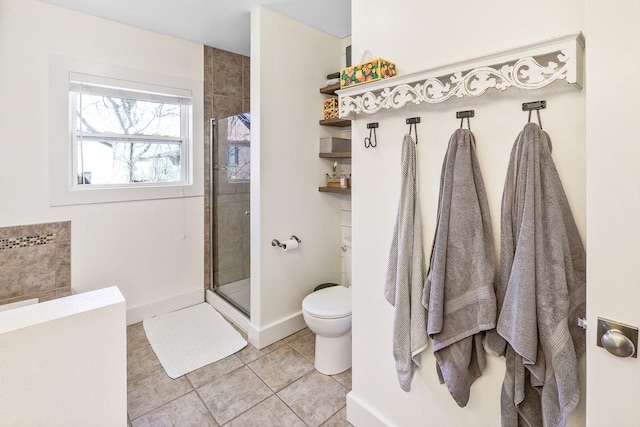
289 245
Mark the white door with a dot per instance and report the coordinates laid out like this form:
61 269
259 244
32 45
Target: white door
613 203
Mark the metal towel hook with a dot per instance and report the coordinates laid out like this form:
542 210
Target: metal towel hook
465 115
413 122
537 105
367 140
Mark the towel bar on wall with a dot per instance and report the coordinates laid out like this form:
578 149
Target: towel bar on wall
532 66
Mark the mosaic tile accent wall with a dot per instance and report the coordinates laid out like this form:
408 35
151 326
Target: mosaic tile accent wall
226 92
35 262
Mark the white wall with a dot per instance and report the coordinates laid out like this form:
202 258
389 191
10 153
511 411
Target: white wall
421 35
613 208
153 249
64 362
345 204
289 63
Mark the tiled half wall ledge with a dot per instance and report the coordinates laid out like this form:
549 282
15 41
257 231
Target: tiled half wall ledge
35 262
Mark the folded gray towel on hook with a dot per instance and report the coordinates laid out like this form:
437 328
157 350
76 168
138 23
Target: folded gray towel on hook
459 294
541 289
406 272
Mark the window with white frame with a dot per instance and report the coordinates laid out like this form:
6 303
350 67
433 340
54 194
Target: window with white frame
121 134
125 136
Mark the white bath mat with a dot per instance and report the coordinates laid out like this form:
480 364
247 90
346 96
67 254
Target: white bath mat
191 338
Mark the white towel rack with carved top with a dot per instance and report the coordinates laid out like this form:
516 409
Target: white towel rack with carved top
528 67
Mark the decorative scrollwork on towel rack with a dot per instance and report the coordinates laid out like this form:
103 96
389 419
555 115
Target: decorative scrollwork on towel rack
531 67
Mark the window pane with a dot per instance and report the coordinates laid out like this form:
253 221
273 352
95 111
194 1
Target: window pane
233 156
106 114
109 162
241 169
238 138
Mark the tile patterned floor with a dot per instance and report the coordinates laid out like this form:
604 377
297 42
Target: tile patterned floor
275 386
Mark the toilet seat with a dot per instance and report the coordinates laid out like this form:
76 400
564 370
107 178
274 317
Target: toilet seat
328 303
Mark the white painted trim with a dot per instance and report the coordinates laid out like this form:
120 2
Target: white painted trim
361 414
142 312
61 190
228 311
276 331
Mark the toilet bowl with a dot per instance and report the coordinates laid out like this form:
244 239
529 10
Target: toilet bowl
327 313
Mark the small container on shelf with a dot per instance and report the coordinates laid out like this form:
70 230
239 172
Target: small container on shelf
344 180
335 145
333 182
331 108
370 71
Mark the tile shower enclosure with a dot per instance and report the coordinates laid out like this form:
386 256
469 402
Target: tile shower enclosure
226 93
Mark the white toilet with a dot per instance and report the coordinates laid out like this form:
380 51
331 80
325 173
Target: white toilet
327 313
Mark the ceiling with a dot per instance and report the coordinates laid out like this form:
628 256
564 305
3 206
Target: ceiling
224 24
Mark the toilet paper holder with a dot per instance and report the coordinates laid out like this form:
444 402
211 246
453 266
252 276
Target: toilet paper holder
276 242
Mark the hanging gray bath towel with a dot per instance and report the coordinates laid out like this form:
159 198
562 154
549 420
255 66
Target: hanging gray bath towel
459 293
541 289
406 272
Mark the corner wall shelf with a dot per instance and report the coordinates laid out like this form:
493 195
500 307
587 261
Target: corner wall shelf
343 155
341 123
520 67
331 89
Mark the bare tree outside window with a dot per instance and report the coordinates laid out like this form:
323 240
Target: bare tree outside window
122 140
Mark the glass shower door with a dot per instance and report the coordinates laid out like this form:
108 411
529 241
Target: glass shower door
230 238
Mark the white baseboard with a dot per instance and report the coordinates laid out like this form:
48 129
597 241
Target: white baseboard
361 414
276 331
258 337
142 312
224 308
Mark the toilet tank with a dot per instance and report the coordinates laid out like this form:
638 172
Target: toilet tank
346 247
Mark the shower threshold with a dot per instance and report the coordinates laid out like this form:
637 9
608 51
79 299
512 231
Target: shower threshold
237 294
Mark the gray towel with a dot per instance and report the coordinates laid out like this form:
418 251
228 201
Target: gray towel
541 289
459 293
405 274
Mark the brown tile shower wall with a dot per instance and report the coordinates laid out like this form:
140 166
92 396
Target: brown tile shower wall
226 92
35 262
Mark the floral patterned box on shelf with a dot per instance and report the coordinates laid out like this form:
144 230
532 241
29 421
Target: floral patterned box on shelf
365 72
331 108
